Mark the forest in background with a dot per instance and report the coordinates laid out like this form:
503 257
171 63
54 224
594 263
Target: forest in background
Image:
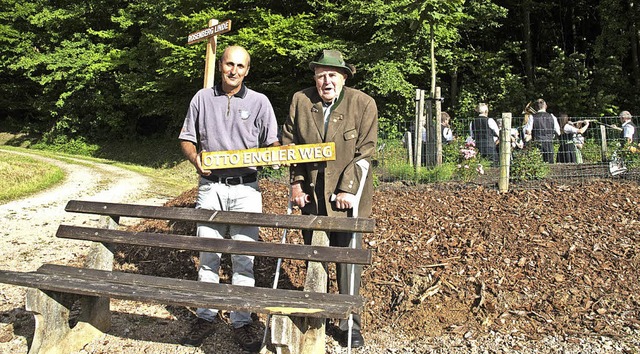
119 69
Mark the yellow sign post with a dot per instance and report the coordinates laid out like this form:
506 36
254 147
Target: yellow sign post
277 155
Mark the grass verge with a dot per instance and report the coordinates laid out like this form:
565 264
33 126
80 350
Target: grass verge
169 181
25 176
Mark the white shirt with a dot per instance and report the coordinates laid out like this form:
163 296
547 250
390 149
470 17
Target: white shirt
556 125
447 134
570 129
628 130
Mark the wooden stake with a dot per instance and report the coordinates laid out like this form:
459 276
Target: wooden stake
505 153
438 121
210 61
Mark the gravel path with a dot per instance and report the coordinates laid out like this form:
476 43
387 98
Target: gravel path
28 227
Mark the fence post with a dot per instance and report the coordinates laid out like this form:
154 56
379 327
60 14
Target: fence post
603 146
408 141
505 153
438 131
419 125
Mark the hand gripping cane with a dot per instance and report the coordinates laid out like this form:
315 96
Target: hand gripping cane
364 167
276 278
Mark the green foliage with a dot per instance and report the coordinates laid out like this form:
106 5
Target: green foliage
392 164
392 161
122 69
491 80
630 154
569 79
451 151
442 173
591 151
154 152
274 173
469 165
389 129
399 170
63 144
616 72
527 165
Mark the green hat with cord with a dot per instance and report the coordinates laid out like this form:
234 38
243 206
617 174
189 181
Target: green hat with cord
333 58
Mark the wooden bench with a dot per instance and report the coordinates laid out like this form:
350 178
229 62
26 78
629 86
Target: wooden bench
54 289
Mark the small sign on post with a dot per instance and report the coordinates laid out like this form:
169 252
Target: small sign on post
277 155
210 33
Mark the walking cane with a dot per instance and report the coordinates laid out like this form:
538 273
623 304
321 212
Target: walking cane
278 266
364 167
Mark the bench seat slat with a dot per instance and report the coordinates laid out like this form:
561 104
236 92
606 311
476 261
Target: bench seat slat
302 222
179 292
264 249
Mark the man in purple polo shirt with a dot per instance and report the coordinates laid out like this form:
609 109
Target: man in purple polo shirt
229 116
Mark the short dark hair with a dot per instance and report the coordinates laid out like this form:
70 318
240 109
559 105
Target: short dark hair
540 104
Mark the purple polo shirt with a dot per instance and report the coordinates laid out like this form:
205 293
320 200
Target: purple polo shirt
217 122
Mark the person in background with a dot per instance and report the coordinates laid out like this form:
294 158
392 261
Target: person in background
516 140
333 112
579 142
628 128
568 151
229 116
528 112
542 126
485 132
447 133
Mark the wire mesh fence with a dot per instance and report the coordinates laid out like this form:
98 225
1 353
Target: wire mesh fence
563 149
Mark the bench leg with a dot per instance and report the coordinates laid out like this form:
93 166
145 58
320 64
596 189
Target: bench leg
304 335
298 335
52 311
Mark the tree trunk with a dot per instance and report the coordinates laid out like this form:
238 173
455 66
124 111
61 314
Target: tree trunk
433 59
454 89
528 47
635 38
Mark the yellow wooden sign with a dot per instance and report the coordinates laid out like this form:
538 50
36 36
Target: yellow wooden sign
277 155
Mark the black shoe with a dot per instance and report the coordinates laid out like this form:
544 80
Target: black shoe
200 329
247 339
357 340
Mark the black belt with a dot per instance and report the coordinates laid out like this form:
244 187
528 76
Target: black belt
233 180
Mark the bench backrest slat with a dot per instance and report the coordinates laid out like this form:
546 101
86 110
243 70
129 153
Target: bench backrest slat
263 249
302 222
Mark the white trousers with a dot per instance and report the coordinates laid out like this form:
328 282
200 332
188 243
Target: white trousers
218 196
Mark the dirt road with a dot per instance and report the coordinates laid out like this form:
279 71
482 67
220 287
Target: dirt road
28 228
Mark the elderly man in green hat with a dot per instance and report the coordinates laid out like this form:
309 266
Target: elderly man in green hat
333 112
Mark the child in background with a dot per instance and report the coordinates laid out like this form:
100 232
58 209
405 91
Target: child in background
578 141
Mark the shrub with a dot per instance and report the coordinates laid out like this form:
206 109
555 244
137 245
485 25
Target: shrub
63 144
630 154
440 173
527 164
591 151
469 165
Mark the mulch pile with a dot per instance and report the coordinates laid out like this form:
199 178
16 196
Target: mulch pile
465 259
